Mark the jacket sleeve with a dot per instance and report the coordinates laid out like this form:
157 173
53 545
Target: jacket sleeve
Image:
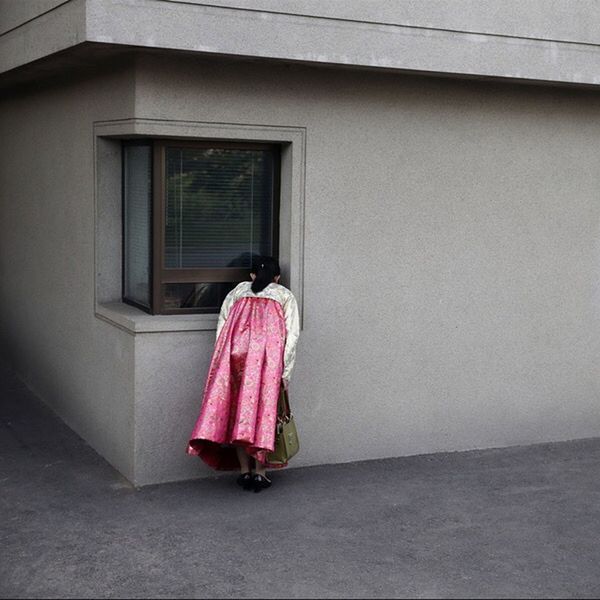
225 308
292 325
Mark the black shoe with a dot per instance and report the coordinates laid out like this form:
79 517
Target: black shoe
246 481
260 482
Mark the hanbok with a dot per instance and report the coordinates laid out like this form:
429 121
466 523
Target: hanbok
255 349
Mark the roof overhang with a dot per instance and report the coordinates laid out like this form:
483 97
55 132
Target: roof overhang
238 32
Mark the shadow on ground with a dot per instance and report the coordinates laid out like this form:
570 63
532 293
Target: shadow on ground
518 522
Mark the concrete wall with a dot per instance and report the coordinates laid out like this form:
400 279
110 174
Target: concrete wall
538 40
550 19
80 365
16 12
451 262
450 274
546 19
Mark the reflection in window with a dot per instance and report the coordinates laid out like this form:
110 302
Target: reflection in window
218 207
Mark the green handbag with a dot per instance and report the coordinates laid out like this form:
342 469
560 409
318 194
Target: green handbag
287 444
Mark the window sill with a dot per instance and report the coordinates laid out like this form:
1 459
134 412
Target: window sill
134 320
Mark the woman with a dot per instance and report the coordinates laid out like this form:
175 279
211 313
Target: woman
254 355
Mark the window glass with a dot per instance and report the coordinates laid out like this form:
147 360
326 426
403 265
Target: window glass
137 202
218 207
207 296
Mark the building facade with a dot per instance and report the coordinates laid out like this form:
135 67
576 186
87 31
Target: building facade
436 213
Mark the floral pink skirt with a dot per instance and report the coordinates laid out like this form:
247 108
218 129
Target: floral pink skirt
239 406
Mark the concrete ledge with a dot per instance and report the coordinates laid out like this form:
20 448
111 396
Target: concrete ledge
278 35
134 320
309 38
56 30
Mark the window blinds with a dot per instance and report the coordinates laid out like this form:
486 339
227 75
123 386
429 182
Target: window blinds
218 206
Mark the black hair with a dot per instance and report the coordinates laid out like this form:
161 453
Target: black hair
266 268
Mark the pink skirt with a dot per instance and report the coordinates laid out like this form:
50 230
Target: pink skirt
239 406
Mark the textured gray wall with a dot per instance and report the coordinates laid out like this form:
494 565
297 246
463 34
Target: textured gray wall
548 19
452 261
16 12
81 366
538 40
451 268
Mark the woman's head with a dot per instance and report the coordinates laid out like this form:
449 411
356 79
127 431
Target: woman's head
265 270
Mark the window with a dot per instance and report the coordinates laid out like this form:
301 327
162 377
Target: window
194 215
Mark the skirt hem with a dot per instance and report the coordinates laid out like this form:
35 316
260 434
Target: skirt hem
223 456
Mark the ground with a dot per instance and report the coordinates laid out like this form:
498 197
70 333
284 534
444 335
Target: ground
518 522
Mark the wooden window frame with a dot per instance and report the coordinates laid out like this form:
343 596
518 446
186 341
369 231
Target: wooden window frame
159 274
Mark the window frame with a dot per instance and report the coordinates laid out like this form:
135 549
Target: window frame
159 274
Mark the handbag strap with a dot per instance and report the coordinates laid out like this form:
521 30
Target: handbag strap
284 403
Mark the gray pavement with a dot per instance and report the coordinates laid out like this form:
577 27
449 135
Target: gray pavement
518 522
